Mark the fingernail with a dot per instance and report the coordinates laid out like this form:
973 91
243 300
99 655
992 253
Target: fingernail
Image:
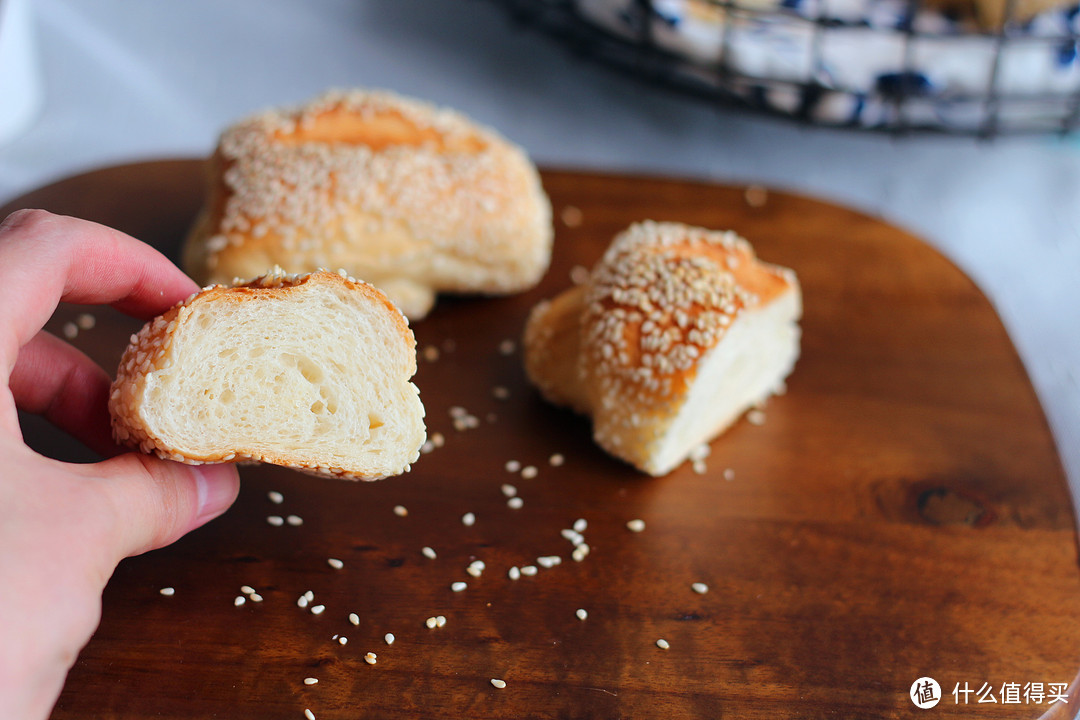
217 486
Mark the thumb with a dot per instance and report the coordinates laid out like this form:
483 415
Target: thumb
158 501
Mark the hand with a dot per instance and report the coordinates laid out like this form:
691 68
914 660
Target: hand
64 527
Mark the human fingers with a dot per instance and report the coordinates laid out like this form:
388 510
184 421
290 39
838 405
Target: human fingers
46 258
155 501
53 379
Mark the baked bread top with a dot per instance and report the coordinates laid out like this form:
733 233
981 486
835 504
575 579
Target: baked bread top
413 198
310 372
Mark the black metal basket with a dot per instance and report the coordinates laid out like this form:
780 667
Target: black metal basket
927 71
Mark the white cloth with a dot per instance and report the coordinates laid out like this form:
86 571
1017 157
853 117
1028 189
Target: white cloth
129 81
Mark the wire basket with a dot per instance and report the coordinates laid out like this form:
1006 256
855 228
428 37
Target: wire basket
1002 67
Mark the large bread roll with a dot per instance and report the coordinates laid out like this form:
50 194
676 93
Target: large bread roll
409 197
311 372
677 332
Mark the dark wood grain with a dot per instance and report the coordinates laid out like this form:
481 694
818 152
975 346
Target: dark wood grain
902 512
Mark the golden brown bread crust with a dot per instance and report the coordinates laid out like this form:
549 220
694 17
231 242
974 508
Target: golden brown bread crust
625 348
411 198
149 350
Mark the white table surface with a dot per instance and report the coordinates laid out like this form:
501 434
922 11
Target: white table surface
127 81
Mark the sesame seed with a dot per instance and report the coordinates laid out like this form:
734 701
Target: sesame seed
507 347
468 519
500 392
427 447
571 216
579 275
86 321
239 600
438 439
556 460
580 552
512 466
343 640
498 683
428 552
431 622
335 563
699 467
700 588
302 601
167 591
309 715
388 638
440 620
572 535
275 520
756 196
247 589
71 330
371 658
729 474
354 618
275 497
318 609
309 595
580 525
515 503
636 525
255 597
529 472
529 570
755 417
662 644
458 586
295 520
311 681
548 561
514 573
456 411
401 510
509 490
582 613
431 353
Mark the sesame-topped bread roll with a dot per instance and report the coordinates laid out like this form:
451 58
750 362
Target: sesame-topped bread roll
677 332
310 372
409 197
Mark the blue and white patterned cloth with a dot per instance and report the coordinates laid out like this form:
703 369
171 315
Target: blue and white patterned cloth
846 62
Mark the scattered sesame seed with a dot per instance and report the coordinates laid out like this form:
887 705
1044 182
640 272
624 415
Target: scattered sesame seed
729 474
275 497
311 681
389 638
580 525
354 618
440 620
86 321
468 519
512 466
302 601
428 552
580 552
167 591
507 347
636 525
755 417
500 392
458 586
556 460
335 563
700 588
255 597
343 640
309 715
456 411
431 353
275 520
529 570
371 658
509 490
318 609
71 330
401 510
662 644
431 622
756 196
582 613
514 573
239 600
498 683
427 447
579 274
295 520
438 439
309 595
515 503
247 589
699 467
529 472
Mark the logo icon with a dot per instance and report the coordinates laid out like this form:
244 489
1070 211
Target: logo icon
925 693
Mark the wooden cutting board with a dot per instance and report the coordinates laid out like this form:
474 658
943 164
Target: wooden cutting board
900 513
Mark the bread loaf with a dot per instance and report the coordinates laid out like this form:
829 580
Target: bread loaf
310 372
412 198
676 333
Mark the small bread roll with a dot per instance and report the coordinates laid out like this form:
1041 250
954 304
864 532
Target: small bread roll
311 372
677 332
409 197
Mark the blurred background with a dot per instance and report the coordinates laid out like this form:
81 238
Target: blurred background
992 184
